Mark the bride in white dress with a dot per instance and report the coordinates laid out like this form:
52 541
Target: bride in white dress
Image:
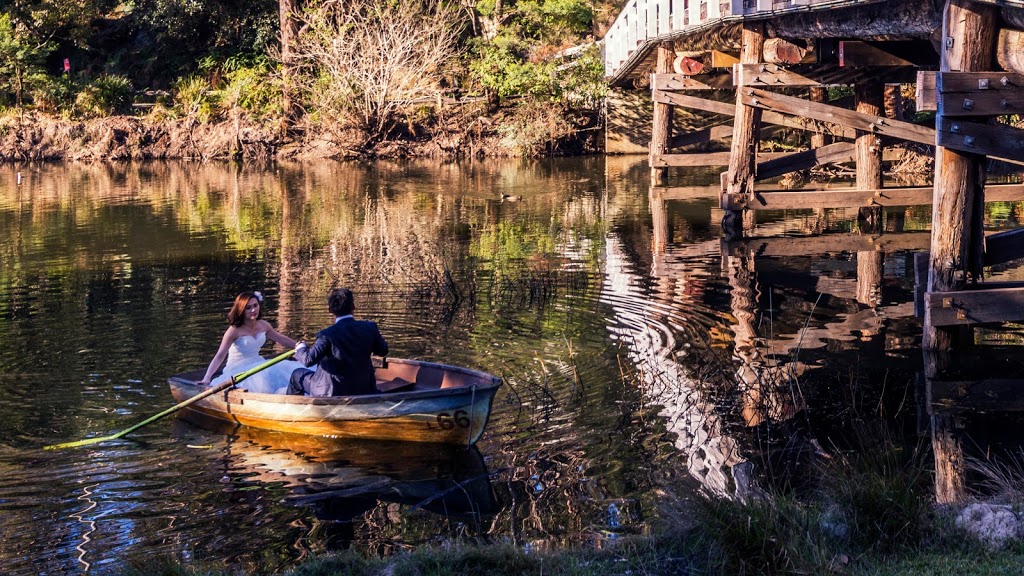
241 344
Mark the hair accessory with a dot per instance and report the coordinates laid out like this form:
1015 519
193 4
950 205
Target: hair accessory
258 295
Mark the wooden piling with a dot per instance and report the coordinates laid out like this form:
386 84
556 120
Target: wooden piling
738 183
868 148
968 39
662 120
819 94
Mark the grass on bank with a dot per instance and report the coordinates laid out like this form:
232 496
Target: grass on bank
871 513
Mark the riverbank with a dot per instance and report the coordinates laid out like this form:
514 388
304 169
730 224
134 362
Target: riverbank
669 554
524 130
864 514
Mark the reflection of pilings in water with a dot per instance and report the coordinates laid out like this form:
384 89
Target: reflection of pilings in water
712 457
869 277
766 388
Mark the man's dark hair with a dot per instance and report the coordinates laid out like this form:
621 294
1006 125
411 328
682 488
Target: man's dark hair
340 302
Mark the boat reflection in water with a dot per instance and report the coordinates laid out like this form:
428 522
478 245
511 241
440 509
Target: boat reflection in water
341 480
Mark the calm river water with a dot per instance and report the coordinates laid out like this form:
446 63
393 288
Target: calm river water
644 359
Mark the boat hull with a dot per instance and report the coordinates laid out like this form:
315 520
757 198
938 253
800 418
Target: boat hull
442 404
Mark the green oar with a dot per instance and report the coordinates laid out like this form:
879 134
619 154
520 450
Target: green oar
230 382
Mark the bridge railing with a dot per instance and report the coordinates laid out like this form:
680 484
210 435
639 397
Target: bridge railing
644 20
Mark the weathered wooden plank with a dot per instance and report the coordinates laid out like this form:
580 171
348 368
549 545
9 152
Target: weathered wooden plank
703 159
1004 192
827 243
700 136
838 152
1004 247
853 198
836 115
980 93
770 75
925 93
694 102
677 82
809 199
968 307
727 109
688 192
998 82
694 159
997 141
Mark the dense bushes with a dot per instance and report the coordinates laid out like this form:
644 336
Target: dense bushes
363 67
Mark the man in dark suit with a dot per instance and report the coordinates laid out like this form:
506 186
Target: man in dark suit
341 354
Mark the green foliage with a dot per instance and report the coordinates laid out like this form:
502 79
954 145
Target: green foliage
194 98
163 39
554 21
502 68
251 89
581 82
105 95
53 94
21 60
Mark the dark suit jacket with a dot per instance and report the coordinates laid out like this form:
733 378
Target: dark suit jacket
342 355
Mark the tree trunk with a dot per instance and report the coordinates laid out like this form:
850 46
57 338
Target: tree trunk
289 29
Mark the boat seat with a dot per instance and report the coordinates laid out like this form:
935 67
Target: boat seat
395 385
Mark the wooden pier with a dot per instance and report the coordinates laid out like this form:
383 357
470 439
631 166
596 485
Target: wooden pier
729 73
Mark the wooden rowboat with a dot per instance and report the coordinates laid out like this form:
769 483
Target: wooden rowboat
419 402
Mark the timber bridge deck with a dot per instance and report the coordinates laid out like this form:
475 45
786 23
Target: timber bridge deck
721 70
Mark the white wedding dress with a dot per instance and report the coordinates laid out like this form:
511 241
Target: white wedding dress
245 354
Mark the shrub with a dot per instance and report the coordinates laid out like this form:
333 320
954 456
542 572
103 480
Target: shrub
52 94
193 98
534 128
251 89
365 60
105 95
502 68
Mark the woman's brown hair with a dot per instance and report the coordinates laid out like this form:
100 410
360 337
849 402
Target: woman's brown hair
236 316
